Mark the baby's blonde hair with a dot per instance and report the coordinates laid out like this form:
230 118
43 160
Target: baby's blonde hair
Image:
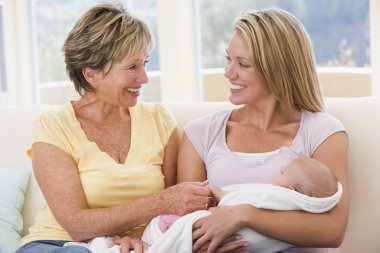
314 178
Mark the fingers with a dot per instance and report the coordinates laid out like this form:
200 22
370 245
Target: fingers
203 249
233 246
205 241
204 183
145 247
202 197
232 238
203 238
137 247
194 203
228 245
198 188
125 246
192 198
202 191
128 243
200 239
216 191
197 234
187 197
197 225
201 245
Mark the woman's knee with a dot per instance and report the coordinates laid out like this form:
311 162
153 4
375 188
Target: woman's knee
71 249
51 247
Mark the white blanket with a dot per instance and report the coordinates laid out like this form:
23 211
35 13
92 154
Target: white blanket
178 238
97 245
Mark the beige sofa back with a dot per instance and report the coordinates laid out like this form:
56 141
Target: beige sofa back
360 116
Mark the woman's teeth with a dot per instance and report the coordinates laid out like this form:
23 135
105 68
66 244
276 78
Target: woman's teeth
133 90
237 87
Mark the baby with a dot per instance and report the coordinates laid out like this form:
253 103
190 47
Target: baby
304 175
304 184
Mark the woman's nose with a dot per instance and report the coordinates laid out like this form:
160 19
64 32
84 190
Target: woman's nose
143 78
229 71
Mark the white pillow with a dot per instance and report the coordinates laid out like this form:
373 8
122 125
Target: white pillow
13 184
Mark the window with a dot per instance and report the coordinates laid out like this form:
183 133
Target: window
3 79
193 38
52 22
339 29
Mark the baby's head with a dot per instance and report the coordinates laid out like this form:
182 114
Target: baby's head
308 176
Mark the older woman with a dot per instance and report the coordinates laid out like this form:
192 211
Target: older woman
270 66
103 162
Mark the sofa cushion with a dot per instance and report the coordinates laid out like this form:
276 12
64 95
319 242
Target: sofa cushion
13 184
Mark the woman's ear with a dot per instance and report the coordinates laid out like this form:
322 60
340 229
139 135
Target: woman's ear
91 75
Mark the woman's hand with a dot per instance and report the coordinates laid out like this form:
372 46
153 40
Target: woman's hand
129 243
217 231
231 244
217 195
187 197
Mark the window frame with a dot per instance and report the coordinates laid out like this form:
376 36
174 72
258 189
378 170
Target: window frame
181 77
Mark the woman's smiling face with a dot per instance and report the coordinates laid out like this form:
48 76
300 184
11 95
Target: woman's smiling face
119 83
246 84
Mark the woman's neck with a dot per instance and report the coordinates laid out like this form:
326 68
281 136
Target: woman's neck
266 116
90 107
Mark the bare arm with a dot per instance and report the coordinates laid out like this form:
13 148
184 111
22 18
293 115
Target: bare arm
295 227
59 181
191 168
169 168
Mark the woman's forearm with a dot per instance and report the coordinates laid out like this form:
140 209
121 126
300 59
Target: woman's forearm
296 227
90 223
180 199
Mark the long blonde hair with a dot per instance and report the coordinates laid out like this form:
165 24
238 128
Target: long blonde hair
280 51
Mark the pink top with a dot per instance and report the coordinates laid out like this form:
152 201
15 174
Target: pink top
224 167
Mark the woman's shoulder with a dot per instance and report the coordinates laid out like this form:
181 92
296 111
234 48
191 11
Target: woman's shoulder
62 114
150 108
316 127
57 127
321 120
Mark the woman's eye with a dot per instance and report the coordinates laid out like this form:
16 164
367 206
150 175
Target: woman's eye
132 67
243 65
228 59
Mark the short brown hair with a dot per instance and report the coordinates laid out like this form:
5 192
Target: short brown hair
105 33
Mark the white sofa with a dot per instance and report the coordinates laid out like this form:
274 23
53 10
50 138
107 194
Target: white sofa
361 117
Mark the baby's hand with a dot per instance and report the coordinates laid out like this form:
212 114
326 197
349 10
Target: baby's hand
217 195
